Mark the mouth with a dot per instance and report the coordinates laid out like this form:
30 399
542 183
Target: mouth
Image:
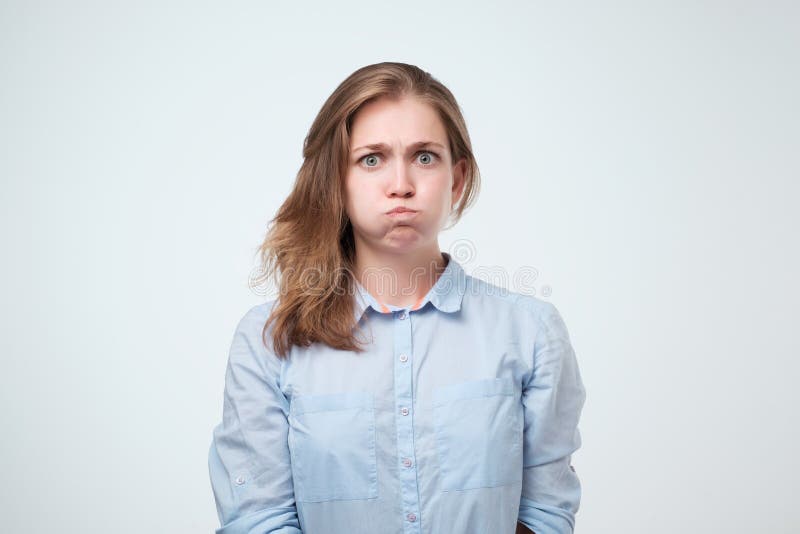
401 211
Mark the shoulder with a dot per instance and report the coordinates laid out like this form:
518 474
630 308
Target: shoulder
503 300
256 314
250 341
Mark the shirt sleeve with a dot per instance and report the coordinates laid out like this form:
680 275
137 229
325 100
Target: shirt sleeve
248 460
552 397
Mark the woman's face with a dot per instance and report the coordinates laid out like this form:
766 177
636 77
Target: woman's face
390 167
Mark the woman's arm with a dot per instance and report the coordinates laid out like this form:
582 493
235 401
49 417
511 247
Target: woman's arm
248 460
552 398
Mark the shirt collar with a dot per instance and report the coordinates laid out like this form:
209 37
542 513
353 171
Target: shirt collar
446 294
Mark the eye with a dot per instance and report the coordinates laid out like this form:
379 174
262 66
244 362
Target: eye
370 161
427 158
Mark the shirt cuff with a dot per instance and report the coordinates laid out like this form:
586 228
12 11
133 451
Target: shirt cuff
545 519
269 521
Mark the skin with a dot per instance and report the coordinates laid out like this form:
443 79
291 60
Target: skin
400 173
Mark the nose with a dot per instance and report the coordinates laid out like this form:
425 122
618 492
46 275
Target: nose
400 184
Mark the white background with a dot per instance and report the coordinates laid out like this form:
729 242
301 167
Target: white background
642 156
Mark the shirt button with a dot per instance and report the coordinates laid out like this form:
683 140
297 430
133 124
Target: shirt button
239 480
411 517
407 462
401 315
403 358
404 411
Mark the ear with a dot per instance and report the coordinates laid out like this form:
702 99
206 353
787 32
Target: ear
459 172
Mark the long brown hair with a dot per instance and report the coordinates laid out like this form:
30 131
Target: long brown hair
309 249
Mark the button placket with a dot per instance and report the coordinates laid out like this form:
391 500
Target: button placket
404 404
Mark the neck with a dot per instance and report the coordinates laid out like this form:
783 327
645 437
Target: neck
399 279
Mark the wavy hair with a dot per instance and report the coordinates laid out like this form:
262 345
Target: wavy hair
309 249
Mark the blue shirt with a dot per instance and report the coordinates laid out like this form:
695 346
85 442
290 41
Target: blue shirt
461 417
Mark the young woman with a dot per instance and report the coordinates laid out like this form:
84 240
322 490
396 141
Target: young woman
385 391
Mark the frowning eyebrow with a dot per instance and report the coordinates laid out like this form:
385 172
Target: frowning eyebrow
384 147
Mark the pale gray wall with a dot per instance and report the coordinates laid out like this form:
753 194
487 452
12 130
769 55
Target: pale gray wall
642 156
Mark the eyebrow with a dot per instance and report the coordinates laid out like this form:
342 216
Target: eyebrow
385 147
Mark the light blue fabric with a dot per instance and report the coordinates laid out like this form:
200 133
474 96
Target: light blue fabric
461 417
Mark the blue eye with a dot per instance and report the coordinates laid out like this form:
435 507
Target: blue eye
370 157
430 156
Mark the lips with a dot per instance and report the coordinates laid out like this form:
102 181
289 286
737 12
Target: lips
400 210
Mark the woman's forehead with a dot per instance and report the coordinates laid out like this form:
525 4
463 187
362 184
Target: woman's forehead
393 122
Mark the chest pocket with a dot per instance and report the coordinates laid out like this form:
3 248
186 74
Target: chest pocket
478 426
332 447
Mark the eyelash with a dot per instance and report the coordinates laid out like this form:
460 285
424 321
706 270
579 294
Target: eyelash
370 169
